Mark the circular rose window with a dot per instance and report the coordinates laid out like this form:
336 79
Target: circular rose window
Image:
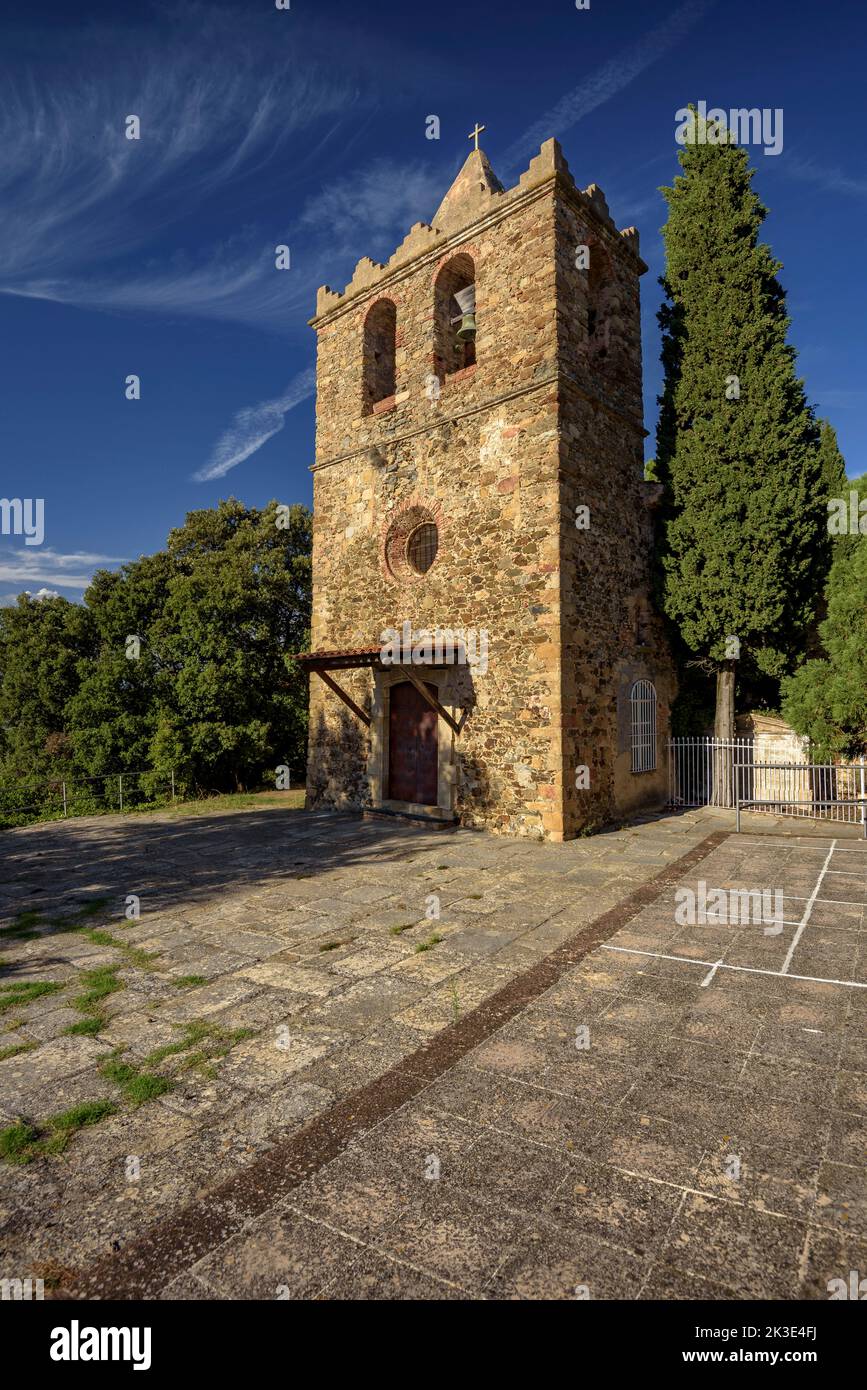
421 547
412 542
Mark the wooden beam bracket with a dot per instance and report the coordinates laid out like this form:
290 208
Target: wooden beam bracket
456 725
347 699
434 703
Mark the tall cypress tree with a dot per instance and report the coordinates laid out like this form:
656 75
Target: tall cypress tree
745 545
834 480
826 698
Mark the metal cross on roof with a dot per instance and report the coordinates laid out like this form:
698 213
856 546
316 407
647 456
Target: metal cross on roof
474 134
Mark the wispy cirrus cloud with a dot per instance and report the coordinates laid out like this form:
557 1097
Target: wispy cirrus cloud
236 280
374 206
90 218
75 192
832 180
51 568
383 197
611 78
253 426
94 220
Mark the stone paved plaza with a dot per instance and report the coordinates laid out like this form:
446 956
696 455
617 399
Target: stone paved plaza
345 1115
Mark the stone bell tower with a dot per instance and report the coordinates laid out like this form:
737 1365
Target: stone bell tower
479 476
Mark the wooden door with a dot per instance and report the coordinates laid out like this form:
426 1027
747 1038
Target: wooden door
412 746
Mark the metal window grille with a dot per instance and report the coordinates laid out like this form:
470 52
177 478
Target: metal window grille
642 702
421 547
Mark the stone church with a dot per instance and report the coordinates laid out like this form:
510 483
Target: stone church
484 649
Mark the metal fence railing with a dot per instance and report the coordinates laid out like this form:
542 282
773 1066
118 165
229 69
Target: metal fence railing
727 772
822 791
81 796
26 799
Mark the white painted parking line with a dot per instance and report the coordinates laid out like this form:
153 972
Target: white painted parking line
807 910
741 969
790 848
833 902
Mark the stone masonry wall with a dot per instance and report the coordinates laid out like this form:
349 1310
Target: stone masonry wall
611 636
484 458
500 456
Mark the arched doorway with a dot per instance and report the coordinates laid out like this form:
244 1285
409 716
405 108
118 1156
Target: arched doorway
412 746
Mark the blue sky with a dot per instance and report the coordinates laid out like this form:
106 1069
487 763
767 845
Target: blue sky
307 127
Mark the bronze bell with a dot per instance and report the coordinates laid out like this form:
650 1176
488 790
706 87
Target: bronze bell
466 302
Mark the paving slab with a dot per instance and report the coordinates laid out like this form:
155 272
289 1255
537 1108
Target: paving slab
432 1124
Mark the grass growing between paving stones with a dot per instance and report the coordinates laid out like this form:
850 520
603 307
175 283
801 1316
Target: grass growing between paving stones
456 1003
23 1141
77 921
23 928
25 925
133 955
199 1048
91 908
15 1050
135 1083
398 931
201 1045
30 923
429 944
13 995
17 1142
211 1043
99 984
63 1126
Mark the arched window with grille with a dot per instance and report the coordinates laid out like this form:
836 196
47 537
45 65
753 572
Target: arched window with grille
642 708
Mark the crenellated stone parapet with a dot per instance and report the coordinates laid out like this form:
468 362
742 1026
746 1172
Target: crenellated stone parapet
475 195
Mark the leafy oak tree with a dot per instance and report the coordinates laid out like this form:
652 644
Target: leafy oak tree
744 543
42 641
179 662
237 607
115 710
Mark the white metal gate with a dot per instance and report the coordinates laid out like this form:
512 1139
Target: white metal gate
725 772
701 770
